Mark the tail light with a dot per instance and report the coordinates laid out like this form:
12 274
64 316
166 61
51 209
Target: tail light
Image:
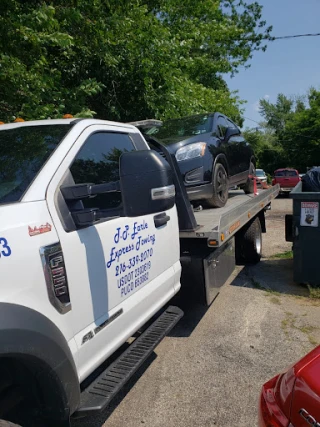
56 277
270 409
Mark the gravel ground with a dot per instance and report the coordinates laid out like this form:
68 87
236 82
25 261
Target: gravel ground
210 369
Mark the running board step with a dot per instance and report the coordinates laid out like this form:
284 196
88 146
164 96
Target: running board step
99 394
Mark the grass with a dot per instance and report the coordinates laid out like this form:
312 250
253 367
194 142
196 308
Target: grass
283 255
275 300
312 340
290 322
272 292
256 284
314 293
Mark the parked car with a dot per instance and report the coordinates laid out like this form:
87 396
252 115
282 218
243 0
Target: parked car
212 155
287 179
260 173
293 397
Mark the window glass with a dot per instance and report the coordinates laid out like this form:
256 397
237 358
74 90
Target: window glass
222 126
23 152
291 173
232 125
283 173
98 162
176 130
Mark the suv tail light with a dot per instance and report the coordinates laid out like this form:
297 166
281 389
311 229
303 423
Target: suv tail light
56 277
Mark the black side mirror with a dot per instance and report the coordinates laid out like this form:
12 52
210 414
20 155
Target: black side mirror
231 132
146 183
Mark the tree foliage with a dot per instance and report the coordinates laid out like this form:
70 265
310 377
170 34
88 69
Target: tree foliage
124 59
290 136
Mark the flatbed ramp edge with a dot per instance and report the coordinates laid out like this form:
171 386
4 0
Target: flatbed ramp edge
218 225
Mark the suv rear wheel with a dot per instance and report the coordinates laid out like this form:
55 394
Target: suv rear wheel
220 187
248 187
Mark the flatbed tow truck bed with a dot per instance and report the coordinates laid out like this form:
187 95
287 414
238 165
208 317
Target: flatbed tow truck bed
210 251
218 225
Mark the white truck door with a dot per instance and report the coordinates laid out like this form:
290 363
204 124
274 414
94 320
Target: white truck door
121 270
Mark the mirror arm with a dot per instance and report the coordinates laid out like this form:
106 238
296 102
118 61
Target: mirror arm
86 217
85 191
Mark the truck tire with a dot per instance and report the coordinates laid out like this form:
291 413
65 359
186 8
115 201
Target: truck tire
4 423
220 187
249 243
248 187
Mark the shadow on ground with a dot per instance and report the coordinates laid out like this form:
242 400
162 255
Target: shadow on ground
273 275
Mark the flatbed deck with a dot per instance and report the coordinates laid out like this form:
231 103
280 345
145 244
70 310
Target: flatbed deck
218 225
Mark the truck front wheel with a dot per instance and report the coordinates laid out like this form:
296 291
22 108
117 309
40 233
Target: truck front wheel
249 243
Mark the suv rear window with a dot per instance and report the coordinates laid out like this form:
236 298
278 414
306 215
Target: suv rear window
280 174
23 152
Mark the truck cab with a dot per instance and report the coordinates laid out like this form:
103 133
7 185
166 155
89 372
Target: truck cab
94 230
89 252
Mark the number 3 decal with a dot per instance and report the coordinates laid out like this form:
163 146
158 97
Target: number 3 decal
6 250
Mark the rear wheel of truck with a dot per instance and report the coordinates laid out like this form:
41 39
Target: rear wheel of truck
249 243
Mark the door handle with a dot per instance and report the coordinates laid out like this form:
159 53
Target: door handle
161 219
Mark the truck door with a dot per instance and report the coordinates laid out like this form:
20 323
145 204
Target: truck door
121 270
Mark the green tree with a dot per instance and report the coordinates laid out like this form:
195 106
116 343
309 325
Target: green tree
295 126
276 115
268 151
124 60
301 139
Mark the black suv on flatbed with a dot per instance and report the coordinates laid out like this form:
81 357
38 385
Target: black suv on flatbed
212 155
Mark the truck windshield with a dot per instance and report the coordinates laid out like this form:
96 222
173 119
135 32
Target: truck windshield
176 130
23 152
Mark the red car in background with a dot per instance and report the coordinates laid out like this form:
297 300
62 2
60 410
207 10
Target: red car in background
292 399
287 179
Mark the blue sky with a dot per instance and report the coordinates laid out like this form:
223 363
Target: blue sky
288 66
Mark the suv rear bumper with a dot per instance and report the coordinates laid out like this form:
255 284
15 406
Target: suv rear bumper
286 189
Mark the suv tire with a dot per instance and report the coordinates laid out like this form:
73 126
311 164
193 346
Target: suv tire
220 187
248 187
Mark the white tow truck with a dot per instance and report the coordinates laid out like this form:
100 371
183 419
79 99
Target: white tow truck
94 230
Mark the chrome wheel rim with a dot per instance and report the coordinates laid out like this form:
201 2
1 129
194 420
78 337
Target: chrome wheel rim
258 244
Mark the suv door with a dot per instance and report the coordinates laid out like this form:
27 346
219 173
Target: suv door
241 150
227 147
121 270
